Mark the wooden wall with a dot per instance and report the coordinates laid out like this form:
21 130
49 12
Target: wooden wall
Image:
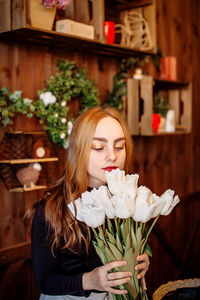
162 162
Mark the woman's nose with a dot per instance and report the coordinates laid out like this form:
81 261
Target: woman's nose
111 155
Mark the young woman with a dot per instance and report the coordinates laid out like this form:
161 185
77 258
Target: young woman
65 263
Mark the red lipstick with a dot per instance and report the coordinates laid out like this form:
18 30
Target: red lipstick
109 169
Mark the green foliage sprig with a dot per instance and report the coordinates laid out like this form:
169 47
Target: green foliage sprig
115 98
12 103
160 104
69 83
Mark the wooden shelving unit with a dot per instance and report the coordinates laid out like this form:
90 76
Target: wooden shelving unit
10 161
178 93
51 38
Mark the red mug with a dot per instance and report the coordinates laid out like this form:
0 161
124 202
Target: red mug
109 31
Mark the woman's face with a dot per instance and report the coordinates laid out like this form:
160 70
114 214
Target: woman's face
108 151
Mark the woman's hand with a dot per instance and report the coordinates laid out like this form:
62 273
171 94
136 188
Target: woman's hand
101 280
142 266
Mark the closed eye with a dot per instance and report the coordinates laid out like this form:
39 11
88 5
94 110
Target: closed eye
97 149
119 147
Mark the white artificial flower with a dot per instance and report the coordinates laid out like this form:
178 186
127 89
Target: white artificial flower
76 213
63 120
123 205
169 202
147 205
69 127
66 144
116 181
62 135
16 95
105 198
92 209
48 98
27 101
56 115
63 103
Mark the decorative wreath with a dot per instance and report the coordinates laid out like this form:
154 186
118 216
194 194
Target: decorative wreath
68 84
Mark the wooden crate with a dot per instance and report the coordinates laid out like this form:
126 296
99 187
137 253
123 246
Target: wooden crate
141 91
15 14
148 11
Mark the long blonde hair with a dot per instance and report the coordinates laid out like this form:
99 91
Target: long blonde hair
75 180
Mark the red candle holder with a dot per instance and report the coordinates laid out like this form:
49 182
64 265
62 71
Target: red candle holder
109 31
155 122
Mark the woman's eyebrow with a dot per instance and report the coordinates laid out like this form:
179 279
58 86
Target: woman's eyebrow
105 140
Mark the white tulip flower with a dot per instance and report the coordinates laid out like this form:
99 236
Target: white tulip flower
147 205
78 212
48 98
116 180
169 202
124 206
92 210
104 196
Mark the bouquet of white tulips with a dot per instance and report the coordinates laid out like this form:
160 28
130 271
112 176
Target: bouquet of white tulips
125 236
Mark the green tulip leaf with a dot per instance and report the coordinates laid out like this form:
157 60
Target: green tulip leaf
147 249
110 237
118 243
118 255
101 254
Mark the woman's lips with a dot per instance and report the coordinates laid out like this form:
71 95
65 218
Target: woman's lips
109 169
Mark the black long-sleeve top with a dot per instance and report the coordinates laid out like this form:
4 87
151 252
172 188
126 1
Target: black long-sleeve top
61 273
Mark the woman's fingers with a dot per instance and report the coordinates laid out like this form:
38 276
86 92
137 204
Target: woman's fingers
118 275
114 264
144 283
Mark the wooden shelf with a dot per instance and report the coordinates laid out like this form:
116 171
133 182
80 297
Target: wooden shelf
28 189
178 94
52 38
28 160
169 84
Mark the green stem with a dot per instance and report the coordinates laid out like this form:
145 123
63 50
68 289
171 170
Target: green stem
148 233
102 234
109 225
117 226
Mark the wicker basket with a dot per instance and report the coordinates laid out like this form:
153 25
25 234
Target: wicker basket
173 286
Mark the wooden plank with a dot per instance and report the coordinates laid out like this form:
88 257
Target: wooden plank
82 11
133 4
174 103
31 160
14 253
98 19
146 92
133 106
5 15
149 13
186 97
19 13
28 189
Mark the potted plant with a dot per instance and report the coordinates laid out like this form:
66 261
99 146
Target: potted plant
161 107
42 13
